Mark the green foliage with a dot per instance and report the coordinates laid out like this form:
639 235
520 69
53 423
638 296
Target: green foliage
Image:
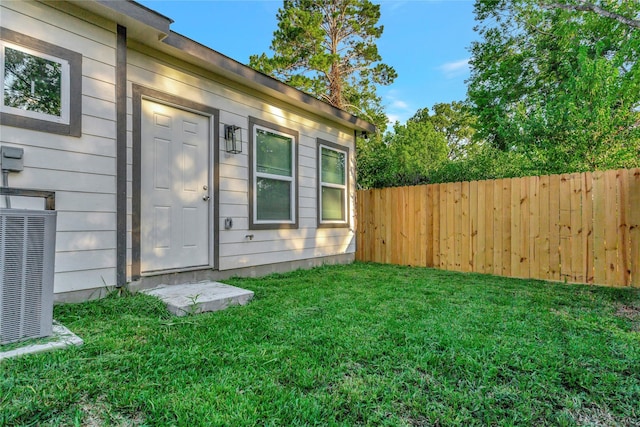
560 87
456 122
418 149
405 156
348 345
327 49
484 162
375 163
417 152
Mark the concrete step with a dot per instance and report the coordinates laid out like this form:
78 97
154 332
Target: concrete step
202 297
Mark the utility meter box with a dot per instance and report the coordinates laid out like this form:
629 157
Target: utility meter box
11 159
27 255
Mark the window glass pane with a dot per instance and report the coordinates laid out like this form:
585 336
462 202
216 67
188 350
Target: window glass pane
332 204
273 199
273 153
32 83
333 166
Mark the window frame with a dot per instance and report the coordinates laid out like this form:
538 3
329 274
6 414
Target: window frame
69 122
254 222
347 185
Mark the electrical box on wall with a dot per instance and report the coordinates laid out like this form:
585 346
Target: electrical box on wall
11 158
228 223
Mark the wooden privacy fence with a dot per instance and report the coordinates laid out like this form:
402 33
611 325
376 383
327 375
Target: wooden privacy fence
579 227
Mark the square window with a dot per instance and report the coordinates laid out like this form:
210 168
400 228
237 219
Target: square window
273 199
41 85
33 83
273 153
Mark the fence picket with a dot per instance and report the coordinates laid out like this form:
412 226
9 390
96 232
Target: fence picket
622 185
577 262
599 218
426 225
516 227
465 223
444 224
458 230
523 209
587 226
478 230
544 250
534 226
435 200
611 228
498 219
634 226
451 229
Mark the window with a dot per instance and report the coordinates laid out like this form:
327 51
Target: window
34 85
333 188
273 176
39 87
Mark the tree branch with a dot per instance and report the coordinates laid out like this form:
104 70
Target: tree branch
590 7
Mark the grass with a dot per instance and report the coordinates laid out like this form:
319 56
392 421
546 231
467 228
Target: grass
363 344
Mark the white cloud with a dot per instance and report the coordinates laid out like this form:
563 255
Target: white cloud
393 118
455 68
399 105
397 109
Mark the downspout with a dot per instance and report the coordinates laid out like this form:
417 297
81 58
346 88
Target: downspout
121 156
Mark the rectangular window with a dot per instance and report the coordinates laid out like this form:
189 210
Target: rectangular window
273 175
34 84
333 191
41 85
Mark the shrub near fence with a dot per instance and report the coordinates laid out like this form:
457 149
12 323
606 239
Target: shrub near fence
578 228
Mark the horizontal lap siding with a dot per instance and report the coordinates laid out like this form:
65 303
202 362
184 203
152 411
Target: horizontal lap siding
578 228
236 104
80 170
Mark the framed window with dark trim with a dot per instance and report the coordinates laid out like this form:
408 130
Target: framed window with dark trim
333 185
273 173
41 85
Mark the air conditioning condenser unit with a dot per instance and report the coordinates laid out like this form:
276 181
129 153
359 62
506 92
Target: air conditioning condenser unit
27 255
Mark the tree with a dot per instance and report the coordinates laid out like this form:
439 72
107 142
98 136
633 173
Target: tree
585 6
455 121
558 86
406 156
418 148
327 49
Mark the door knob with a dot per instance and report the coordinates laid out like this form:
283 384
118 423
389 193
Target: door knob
206 198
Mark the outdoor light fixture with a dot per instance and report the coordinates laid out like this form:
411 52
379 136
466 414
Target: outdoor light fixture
233 138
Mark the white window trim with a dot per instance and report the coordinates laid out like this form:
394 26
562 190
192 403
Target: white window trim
65 95
291 179
332 185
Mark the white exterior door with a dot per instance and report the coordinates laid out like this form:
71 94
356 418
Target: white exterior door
174 217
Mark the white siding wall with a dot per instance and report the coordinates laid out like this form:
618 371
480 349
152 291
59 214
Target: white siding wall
236 105
80 170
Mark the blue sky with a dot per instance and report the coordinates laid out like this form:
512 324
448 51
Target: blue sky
426 41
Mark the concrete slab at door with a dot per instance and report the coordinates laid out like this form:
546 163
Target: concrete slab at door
174 217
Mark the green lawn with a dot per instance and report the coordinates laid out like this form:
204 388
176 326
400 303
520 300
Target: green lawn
362 344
